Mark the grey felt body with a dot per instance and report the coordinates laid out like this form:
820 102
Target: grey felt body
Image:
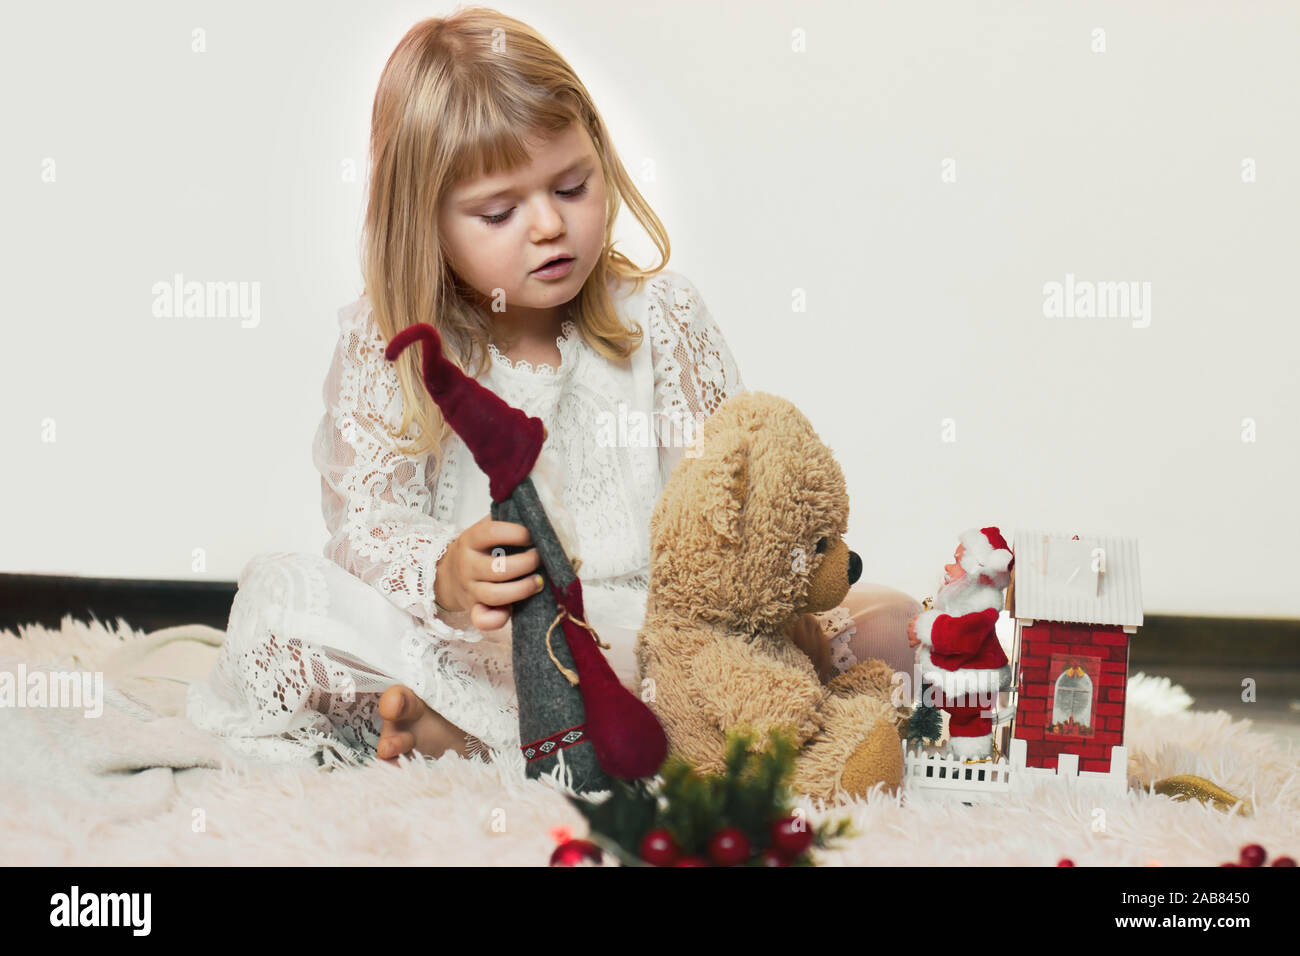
548 703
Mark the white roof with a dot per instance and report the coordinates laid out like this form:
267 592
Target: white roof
1056 578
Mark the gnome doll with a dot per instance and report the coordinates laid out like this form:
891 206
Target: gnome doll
569 699
958 653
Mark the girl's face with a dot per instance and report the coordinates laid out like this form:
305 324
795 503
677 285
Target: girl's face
498 230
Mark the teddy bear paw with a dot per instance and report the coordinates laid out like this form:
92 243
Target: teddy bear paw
879 758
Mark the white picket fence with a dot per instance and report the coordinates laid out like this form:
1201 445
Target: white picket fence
945 777
931 777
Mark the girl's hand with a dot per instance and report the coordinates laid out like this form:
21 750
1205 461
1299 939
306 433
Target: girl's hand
470 576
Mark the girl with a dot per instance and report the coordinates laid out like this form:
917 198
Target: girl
493 193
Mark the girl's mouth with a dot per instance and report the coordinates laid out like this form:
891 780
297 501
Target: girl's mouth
555 268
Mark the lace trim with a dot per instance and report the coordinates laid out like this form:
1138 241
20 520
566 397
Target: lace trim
564 341
444 495
695 371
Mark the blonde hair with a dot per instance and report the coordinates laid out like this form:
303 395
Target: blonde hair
459 97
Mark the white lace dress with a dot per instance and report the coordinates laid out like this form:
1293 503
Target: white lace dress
313 640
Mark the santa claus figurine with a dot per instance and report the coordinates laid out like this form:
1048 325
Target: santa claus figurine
958 651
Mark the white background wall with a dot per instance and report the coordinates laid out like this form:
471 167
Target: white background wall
774 170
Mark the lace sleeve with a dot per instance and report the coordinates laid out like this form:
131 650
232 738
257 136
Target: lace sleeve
694 370
377 501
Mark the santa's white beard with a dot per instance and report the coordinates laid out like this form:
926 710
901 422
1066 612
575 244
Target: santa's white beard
966 595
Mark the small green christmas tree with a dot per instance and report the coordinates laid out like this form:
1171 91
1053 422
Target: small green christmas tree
926 722
740 817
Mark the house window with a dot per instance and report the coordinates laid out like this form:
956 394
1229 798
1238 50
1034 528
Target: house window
1073 694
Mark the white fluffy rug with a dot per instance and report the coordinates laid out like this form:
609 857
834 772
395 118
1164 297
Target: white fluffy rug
140 785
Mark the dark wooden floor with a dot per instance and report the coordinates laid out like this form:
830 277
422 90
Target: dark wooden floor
1275 709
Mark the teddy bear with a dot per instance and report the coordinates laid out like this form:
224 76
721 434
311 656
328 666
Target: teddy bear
748 533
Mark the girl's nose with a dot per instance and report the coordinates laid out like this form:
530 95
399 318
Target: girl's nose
547 222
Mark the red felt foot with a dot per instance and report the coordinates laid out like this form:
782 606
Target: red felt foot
627 737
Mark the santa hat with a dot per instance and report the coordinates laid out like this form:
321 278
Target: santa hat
987 553
504 440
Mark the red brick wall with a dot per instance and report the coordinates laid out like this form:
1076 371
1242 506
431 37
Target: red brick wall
1038 642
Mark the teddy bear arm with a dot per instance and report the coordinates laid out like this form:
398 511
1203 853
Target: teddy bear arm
871 676
876 679
737 688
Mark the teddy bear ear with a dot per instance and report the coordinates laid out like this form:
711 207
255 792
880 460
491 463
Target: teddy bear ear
728 477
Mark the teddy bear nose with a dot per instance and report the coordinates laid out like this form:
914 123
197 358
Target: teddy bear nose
855 567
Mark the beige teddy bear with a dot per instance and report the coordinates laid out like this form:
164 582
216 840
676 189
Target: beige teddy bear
747 534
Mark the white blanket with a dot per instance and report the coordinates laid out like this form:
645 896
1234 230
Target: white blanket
140 785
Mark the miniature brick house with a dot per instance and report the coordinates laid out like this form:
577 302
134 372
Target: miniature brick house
1076 601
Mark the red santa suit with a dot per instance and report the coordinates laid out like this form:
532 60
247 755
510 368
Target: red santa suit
959 653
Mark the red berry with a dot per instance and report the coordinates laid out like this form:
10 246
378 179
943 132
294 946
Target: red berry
659 849
791 836
1065 861
1252 854
1284 861
574 852
729 847
1229 864
692 861
770 857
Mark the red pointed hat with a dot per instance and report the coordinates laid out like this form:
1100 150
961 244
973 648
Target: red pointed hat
504 440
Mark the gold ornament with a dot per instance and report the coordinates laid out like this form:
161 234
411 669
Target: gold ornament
1186 785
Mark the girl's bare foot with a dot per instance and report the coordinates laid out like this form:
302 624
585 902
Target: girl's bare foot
411 724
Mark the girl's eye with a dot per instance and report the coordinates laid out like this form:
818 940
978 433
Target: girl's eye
501 217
